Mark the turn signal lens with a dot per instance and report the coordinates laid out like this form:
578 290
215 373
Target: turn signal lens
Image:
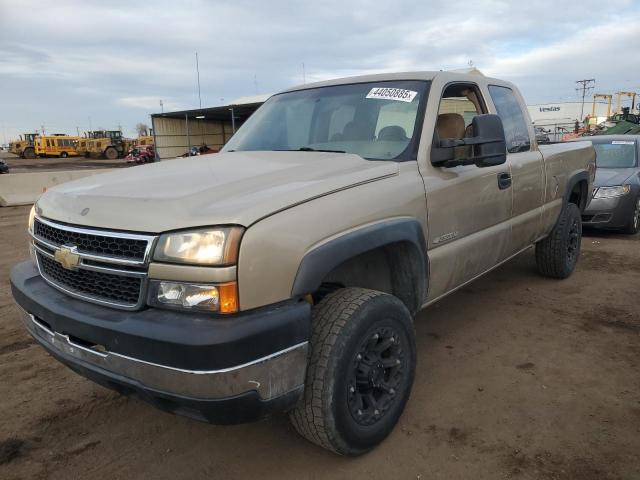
228 297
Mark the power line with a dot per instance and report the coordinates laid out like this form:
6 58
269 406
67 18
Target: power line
585 86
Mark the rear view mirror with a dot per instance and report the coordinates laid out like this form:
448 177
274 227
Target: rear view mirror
488 146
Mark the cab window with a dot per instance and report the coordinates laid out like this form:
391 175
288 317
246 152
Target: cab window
516 131
459 104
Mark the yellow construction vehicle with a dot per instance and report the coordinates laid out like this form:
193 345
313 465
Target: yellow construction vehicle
144 140
111 145
83 143
25 146
62 146
606 96
619 96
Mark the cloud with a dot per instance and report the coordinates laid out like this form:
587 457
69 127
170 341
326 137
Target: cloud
113 61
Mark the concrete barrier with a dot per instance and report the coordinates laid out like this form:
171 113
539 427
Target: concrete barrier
25 188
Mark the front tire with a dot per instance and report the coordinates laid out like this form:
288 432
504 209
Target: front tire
29 153
111 153
557 254
634 222
360 372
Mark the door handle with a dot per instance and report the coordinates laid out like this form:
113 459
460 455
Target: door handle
504 180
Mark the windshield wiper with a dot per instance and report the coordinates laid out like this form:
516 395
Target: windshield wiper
309 149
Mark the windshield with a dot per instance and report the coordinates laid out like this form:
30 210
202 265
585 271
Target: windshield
615 154
376 120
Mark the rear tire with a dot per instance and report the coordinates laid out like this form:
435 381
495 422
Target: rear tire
360 372
634 222
63 155
557 254
111 153
29 152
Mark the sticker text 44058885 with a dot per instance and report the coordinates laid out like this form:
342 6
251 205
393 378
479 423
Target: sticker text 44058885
398 94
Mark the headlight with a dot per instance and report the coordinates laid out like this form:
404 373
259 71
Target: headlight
32 217
610 192
216 246
189 296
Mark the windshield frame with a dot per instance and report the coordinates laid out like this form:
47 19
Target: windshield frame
410 152
610 142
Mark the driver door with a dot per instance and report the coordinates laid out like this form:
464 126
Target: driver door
468 207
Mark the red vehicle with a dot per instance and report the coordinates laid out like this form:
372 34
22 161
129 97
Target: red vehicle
141 154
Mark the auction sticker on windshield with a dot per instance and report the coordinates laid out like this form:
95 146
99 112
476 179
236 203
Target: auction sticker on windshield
398 94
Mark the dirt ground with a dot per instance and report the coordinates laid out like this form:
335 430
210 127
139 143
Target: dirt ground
20 165
518 377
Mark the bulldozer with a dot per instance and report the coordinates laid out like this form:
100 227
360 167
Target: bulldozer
24 147
109 144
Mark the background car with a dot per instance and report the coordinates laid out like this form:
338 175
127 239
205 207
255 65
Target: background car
616 193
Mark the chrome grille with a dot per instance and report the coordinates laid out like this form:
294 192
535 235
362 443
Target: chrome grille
110 267
96 243
116 288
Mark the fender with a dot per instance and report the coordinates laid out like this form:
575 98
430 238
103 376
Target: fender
317 263
572 182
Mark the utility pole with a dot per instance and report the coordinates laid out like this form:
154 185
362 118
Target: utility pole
198 72
78 130
42 129
584 86
161 107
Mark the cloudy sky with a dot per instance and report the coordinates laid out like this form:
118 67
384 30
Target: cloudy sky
100 64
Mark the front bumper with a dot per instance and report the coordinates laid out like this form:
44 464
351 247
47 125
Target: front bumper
179 362
609 212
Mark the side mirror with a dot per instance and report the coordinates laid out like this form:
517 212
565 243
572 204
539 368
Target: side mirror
488 145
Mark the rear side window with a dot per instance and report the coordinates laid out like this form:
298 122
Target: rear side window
516 130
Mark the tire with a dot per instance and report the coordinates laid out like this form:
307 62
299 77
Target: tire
111 153
63 155
349 366
29 152
633 226
557 254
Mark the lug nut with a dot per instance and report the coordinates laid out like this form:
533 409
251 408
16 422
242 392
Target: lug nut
398 362
376 412
392 340
359 357
359 412
392 391
352 389
376 336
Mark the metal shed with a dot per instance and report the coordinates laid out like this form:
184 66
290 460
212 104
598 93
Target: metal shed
176 132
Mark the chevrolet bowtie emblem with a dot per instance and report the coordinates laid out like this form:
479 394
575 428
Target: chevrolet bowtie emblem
68 257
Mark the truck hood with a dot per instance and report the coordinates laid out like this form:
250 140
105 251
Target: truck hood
607 177
227 188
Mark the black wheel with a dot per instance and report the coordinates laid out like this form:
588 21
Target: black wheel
557 254
111 153
63 155
360 372
634 222
29 152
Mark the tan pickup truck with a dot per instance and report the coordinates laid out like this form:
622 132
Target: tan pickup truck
284 273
